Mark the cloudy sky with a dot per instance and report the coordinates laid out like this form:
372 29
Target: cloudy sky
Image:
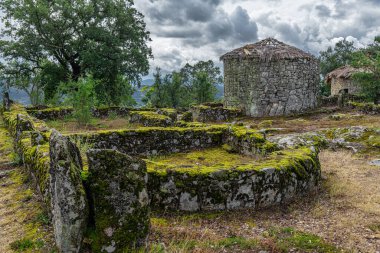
190 30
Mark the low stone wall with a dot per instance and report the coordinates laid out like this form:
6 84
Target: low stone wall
366 108
31 144
171 113
150 119
328 101
248 142
55 164
155 140
204 113
283 176
51 113
342 100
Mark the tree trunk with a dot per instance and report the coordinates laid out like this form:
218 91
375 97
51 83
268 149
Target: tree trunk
377 99
76 71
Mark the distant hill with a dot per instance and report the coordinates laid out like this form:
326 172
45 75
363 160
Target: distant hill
147 82
17 95
23 98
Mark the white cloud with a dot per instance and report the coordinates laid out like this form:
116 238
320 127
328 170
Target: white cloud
184 31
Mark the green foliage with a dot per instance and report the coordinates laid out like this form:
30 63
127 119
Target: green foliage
337 56
368 59
193 84
107 38
81 96
120 92
52 75
288 238
204 90
155 96
25 244
240 242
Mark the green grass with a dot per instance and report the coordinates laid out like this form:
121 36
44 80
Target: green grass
288 238
26 244
237 242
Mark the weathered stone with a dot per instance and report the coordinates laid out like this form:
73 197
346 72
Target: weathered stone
152 141
205 113
283 176
117 184
375 162
272 72
68 197
148 118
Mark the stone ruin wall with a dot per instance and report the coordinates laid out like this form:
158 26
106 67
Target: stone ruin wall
338 84
55 163
271 88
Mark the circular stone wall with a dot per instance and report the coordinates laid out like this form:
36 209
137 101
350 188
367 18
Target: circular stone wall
271 88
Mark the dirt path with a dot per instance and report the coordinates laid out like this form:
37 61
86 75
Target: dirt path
24 226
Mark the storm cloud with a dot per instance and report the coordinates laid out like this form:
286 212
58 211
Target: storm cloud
187 31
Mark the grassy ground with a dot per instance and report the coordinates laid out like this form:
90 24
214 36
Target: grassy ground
217 158
315 121
24 225
69 125
342 216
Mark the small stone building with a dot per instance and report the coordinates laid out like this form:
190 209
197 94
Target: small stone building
270 78
341 80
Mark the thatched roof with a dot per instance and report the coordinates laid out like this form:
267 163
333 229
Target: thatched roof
268 50
344 72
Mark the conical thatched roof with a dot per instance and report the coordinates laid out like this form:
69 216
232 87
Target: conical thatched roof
269 49
344 72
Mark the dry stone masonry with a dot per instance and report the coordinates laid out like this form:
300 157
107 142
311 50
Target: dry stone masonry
270 78
110 200
118 191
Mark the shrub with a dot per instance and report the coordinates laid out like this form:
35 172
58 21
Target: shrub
81 96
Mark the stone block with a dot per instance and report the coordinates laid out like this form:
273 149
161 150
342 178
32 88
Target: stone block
117 184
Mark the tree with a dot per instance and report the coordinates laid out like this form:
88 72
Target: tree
192 84
337 56
81 96
175 89
333 58
52 75
368 59
156 95
203 89
107 38
25 77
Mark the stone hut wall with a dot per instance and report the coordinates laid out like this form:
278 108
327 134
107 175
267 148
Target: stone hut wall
273 88
338 84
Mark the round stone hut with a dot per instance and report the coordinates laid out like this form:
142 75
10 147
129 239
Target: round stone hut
270 78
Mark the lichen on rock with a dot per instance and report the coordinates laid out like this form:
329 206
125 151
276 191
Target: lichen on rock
68 198
117 184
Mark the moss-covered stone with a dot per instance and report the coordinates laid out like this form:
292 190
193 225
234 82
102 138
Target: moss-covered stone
147 141
248 141
368 108
117 184
187 116
68 197
214 113
170 112
150 119
193 185
51 113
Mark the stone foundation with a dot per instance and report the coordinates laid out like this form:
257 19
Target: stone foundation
204 113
